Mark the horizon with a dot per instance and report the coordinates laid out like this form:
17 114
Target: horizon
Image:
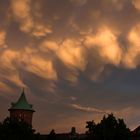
76 59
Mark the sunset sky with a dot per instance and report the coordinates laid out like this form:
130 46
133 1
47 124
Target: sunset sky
76 59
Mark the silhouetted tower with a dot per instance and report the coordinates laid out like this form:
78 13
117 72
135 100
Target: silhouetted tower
22 110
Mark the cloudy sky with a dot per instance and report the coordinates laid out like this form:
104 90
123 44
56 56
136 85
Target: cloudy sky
77 59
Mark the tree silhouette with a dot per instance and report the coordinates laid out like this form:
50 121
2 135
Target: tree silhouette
91 129
15 130
123 131
108 129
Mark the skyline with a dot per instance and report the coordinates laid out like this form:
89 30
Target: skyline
76 59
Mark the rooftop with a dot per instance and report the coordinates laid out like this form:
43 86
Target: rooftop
22 103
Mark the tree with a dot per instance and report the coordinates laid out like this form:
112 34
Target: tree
91 129
123 132
109 128
15 130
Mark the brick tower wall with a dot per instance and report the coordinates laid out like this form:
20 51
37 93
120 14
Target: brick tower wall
22 115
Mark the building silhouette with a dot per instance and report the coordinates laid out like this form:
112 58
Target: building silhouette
22 110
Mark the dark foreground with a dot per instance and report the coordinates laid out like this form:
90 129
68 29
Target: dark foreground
109 128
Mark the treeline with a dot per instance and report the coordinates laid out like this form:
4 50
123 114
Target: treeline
109 128
16 130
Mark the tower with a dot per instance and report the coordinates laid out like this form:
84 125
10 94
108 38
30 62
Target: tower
22 110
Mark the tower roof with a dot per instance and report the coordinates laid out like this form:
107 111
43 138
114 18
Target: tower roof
22 103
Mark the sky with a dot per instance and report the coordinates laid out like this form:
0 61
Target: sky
76 59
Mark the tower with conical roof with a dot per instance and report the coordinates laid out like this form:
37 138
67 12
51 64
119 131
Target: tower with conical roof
22 110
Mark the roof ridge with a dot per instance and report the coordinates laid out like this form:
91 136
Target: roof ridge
22 103
22 97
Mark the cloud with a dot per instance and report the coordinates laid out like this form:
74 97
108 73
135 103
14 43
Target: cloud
72 51
22 12
12 61
72 54
40 30
40 67
73 98
79 2
136 4
89 109
105 43
125 113
7 59
32 62
131 57
2 39
27 15
48 45
8 68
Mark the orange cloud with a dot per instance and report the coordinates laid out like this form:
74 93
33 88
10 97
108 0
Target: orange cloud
40 30
41 67
22 12
7 59
8 64
12 60
47 46
2 39
72 54
136 4
105 43
131 57
37 65
29 22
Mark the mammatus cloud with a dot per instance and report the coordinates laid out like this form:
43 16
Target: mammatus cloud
76 55
72 54
136 4
9 69
30 61
69 52
2 39
23 12
131 57
88 52
106 45
37 65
